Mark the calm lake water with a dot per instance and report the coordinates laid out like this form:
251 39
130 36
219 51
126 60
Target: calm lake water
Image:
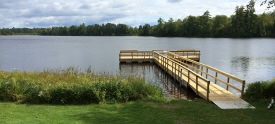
249 59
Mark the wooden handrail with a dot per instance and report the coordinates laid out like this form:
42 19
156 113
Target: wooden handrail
187 53
174 64
131 54
186 50
175 56
127 51
209 67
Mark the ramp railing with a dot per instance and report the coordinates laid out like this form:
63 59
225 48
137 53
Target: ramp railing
204 69
180 73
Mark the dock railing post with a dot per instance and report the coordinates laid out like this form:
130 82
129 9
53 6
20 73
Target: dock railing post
144 56
208 83
206 74
188 77
201 70
132 55
216 77
162 62
227 83
178 71
172 69
197 90
165 64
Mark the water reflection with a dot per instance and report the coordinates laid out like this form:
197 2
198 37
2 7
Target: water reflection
260 67
153 74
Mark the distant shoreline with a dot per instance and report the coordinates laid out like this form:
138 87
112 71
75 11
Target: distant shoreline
141 36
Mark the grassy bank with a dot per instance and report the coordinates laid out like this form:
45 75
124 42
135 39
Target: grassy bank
141 111
72 86
49 96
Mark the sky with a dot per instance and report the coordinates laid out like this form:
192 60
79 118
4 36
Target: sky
49 13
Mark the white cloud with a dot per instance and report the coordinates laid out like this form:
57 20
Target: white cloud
38 13
174 1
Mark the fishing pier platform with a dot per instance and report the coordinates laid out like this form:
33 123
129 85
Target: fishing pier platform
184 66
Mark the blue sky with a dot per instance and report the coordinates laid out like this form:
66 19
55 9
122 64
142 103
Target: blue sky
48 13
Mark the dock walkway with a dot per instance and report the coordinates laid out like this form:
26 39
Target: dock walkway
177 64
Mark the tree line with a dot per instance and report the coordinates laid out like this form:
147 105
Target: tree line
108 29
21 31
243 23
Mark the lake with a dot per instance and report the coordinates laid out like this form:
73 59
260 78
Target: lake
249 59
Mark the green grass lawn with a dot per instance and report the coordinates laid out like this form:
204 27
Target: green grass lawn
149 111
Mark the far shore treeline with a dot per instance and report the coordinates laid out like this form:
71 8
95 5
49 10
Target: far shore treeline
243 23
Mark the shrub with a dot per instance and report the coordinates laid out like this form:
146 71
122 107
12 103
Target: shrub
72 86
260 90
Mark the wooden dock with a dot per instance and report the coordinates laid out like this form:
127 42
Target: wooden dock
177 64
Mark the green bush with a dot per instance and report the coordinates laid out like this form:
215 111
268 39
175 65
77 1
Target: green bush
72 86
260 90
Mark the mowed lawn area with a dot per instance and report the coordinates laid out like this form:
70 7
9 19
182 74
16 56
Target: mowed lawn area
148 110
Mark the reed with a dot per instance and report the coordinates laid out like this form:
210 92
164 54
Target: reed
73 86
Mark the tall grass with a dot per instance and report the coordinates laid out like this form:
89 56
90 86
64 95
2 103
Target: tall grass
73 86
260 90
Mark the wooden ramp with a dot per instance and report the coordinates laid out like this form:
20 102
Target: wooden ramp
188 75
